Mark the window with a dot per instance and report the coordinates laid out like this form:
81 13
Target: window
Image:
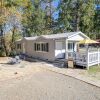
38 47
44 47
71 47
18 46
35 46
47 47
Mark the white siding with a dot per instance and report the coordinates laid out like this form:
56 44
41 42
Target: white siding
77 37
59 49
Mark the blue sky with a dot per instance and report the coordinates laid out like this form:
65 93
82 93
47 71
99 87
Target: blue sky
98 7
55 4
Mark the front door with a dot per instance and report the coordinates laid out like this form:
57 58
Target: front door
59 49
72 47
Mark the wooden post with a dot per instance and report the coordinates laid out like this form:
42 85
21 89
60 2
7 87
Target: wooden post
98 57
87 58
66 48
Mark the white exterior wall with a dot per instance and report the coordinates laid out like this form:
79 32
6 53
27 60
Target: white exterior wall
60 48
77 37
61 52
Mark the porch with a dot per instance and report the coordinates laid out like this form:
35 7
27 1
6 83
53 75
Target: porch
86 59
87 55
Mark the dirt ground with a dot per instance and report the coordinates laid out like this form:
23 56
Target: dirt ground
34 81
8 71
47 85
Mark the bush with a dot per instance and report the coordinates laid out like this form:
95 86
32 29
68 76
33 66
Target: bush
13 53
2 53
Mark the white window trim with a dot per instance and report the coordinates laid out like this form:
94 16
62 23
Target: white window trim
71 50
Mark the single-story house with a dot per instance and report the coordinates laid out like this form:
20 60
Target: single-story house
50 47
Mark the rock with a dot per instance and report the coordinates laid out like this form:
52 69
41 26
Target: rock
15 73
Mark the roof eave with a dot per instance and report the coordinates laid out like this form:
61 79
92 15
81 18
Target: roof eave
79 33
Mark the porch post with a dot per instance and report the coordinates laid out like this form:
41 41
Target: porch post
87 58
76 47
66 48
98 57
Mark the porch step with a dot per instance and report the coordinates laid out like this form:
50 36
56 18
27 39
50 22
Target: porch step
60 63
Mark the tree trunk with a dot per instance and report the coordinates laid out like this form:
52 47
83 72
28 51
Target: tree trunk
77 22
3 45
13 39
77 17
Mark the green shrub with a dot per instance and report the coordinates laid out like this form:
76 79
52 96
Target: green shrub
13 53
2 53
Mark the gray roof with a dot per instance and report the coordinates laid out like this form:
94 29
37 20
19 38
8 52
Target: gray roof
55 36
28 38
60 35
19 40
31 38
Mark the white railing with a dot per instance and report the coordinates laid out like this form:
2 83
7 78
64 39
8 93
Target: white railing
80 58
85 59
71 54
99 57
93 58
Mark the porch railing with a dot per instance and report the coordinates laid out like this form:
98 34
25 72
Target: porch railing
85 59
93 58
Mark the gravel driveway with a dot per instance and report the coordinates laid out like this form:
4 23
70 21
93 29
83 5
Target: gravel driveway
46 85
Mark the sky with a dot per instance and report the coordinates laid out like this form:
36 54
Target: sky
98 7
55 4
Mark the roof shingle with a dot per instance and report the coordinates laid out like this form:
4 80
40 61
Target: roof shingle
53 36
60 35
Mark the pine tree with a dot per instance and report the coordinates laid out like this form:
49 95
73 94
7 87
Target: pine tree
97 20
33 18
49 20
65 18
87 17
76 15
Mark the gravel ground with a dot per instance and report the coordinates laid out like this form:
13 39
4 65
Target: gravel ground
46 85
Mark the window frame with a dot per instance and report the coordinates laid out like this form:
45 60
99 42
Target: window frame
41 47
19 46
71 49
